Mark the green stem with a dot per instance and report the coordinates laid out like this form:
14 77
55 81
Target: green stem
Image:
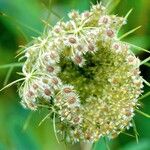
86 146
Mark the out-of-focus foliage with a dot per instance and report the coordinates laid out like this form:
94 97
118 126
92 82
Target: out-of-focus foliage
22 19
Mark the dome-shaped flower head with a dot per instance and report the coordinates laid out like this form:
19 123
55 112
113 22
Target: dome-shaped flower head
84 75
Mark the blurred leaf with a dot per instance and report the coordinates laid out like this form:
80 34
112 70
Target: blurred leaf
25 13
111 4
143 145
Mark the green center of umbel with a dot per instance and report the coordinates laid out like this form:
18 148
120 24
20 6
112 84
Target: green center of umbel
93 78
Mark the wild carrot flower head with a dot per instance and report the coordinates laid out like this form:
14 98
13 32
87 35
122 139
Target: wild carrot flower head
85 75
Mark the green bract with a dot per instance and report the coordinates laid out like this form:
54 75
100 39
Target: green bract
86 76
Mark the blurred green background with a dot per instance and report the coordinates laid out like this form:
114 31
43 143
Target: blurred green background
20 20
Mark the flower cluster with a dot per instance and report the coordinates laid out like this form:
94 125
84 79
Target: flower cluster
82 72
